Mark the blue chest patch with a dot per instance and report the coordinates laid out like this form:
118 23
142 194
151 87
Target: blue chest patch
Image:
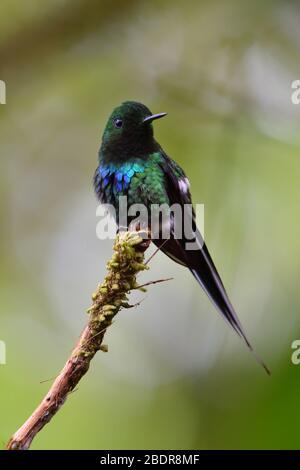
119 176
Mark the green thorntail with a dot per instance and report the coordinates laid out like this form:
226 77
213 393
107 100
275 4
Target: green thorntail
133 164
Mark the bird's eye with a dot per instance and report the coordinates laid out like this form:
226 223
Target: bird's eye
118 123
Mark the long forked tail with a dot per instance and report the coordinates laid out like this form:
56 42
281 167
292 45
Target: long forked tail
201 265
225 307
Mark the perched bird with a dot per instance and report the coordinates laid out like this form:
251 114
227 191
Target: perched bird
133 164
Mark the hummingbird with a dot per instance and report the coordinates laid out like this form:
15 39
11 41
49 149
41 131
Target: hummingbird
133 164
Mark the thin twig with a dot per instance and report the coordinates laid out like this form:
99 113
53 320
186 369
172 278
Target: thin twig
155 252
142 286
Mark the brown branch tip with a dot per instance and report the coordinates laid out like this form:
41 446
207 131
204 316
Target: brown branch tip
126 262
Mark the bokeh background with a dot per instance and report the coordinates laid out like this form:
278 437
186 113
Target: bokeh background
175 376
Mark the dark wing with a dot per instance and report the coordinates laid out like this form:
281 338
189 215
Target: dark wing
197 260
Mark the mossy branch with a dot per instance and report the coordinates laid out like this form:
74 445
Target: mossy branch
127 261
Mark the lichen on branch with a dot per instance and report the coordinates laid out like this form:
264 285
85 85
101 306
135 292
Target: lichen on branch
112 295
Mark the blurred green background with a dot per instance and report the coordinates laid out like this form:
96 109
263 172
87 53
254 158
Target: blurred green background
175 376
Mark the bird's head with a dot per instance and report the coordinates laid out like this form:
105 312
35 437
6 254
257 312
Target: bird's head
129 132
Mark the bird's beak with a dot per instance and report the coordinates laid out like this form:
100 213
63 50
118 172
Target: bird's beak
154 116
